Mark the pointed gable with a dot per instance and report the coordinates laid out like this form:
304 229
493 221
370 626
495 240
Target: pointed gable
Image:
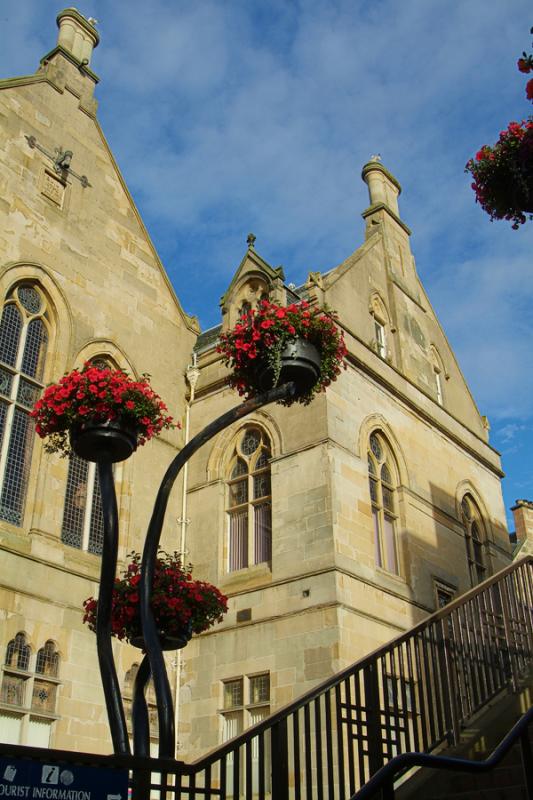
253 281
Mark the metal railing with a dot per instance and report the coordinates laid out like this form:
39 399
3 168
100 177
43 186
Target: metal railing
383 781
412 694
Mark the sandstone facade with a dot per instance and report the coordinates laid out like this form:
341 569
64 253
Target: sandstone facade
384 497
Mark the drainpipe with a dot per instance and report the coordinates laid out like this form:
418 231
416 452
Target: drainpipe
192 374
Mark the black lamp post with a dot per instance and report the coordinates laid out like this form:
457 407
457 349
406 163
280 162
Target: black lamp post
109 443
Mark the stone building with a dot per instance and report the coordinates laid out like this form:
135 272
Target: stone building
332 527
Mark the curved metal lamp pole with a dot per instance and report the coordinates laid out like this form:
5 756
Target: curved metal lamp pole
165 709
108 672
153 662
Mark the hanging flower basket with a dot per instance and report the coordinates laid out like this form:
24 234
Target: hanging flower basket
181 606
503 174
276 344
99 413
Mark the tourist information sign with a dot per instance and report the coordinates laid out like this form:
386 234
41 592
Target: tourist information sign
34 780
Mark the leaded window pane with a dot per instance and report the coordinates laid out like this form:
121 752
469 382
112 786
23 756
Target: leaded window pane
261 485
475 532
96 529
465 507
238 540
388 498
18 652
371 465
30 299
28 393
239 468
260 688
377 543
373 486
47 660
10 329
3 415
75 502
390 544
6 381
238 493
375 446
263 459
34 349
262 533
385 474
250 442
17 468
233 693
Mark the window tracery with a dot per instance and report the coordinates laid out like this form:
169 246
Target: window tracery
475 540
249 501
382 487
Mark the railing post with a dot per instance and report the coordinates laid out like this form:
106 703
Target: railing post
448 667
510 645
280 760
141 783
373 718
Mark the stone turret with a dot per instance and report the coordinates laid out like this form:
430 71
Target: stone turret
67 65
77 35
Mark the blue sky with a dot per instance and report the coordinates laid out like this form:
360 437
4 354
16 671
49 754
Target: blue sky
232 116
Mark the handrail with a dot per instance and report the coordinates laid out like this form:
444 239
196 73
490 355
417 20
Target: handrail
410 695
384 778
384 713
379 652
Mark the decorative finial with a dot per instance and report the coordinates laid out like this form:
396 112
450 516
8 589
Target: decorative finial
376 157
250 239
93 21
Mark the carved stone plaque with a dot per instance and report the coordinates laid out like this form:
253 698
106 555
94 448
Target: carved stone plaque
53 188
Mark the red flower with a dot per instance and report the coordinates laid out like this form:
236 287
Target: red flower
263 337
98 395
524 65
177 600
529 89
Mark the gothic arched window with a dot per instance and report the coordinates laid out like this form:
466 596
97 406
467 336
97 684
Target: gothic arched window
474 539
83 522
48 660
18 653
31 696
23 342
249 502
382 484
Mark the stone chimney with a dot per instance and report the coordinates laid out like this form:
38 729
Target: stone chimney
77 35
523 520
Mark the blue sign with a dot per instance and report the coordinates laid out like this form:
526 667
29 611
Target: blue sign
35 780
